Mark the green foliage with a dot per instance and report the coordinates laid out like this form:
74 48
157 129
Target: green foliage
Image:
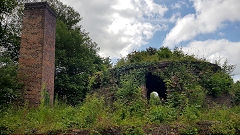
154 99
76 56
164 53
45 119
120 63
191 113
129 88
76 61
132 114
45 101
7 6
97 117
189 131
90 111
219 83
9 85
162 113
185 77
135 131
9 28
100 79
182 84
225 120
154 55
226 67
27 121
65 13
236 90
130 100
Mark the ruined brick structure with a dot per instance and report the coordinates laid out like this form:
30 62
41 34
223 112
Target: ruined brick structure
153 83
37 51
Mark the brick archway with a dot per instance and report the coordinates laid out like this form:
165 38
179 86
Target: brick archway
155 84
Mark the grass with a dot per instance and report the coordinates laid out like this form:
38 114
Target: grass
95 117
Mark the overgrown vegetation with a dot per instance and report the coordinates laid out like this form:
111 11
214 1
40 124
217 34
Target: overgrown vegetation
93 98
10 88
153 55
125 115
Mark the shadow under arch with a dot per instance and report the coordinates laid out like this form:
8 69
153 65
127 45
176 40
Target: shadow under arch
155 84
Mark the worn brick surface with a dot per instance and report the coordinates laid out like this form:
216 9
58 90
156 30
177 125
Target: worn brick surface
37 51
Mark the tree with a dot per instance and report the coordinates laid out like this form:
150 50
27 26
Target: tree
76 55
9 85
9 45
76 60
9 28
164 53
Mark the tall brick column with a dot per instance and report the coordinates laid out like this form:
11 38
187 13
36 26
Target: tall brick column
37 51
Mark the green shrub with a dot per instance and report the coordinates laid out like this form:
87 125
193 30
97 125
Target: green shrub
219 83
190 130
196 95
190 113
181 82
236 93
223 120
154 99
90 111
129 88
45 119
159 114
31 121
9 85
135 131
164 53
126 111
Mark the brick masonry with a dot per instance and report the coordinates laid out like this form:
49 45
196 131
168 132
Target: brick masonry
37 51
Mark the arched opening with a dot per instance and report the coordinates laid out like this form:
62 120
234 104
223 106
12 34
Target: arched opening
155 84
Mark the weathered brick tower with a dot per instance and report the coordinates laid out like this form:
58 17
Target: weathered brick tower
37 51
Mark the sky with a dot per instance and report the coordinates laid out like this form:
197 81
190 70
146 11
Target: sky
208 29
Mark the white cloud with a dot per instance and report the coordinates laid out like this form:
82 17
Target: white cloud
176 6
175 17
119 26
179 5
214 50
221 34
236 78
210 15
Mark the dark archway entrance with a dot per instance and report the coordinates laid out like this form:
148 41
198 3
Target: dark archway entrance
155 84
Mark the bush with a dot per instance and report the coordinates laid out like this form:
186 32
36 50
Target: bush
154 99
9 85
219 83
164 53
236 92
228 122
135 131
88 113
45 119
159 114
222 120
33 121
190 113
129 88
190 130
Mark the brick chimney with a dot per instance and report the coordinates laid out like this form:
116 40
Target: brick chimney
37 52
